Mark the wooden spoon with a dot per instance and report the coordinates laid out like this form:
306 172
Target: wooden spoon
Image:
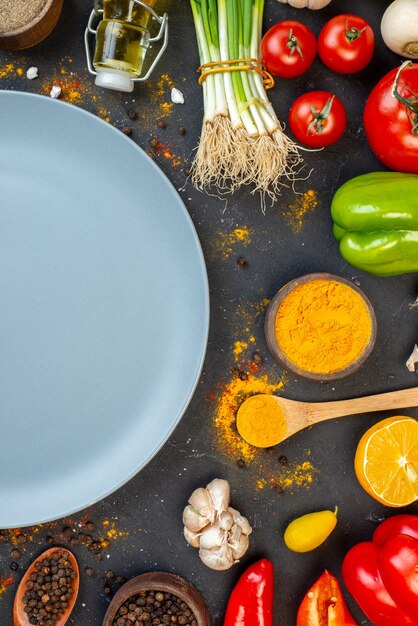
299 415
20 618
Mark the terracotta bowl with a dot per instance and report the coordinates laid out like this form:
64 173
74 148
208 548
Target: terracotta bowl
35 31
279 354
160 581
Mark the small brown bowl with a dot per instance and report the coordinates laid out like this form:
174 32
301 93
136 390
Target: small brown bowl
269 329
160 581
35 31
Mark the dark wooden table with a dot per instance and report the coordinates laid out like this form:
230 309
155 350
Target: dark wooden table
142 521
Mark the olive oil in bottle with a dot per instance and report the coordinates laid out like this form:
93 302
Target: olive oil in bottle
122 42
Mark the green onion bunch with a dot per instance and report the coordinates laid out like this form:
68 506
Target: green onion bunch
242 141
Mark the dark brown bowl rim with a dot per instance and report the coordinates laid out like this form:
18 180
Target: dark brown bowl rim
165 582
36 20
282 358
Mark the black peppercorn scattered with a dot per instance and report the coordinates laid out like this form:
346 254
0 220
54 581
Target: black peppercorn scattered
50 539
151 608
243 376
89 526
154 143
2 537
15 554
89 572
162 124
14 566
110 575
133 115
257 358
241 463
121 580
242 261
127 130
21 538
182 130
283 460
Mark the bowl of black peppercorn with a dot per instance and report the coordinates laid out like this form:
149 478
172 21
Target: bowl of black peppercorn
157 598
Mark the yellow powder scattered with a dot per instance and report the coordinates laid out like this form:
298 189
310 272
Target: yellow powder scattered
233 395
300 476
223 246
72 89
19 71
7 69
160 95
249 314
239 347
306 203
112 532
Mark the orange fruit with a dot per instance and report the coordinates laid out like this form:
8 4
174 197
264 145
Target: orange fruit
386 462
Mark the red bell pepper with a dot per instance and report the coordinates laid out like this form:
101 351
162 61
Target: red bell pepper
324 605
396 525
382 575
398 565
251 601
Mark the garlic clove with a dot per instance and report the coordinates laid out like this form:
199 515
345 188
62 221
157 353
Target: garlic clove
202 503
241 547
212 537
219 559
192 539
226 521
193 520
241 521
220 493
234 535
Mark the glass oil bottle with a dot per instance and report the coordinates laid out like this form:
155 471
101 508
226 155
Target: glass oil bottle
122 43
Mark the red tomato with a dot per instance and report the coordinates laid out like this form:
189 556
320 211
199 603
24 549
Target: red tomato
396 525
363 580
317 119
324 605
346 44
398 566
288 49
389 122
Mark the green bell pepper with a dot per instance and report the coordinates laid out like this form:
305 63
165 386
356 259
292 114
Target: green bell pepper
376 222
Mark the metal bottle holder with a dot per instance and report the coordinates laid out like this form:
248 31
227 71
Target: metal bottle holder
162 35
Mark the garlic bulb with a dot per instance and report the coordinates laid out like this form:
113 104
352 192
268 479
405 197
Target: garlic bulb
309 4
400 28
210 524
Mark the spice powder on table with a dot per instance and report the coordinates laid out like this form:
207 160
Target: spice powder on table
15 14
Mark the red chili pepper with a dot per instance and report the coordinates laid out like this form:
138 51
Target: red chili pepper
383 575
324 605
251 601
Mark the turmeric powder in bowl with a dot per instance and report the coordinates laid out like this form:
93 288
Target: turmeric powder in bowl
321 327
